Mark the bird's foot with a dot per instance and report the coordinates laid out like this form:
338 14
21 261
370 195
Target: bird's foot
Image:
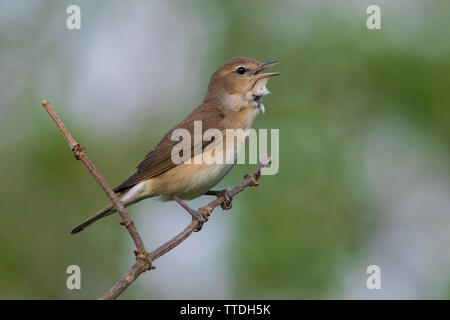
203 212
227 204
200 215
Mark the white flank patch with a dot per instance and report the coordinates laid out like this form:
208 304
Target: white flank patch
136 193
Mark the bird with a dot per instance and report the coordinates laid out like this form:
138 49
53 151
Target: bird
232 102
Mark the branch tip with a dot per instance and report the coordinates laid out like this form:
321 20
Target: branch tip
265 160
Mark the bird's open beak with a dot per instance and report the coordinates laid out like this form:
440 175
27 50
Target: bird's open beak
265 66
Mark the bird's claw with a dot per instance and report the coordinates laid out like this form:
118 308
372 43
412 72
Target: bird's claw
202 215
227 203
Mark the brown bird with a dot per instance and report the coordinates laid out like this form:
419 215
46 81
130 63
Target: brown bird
232 102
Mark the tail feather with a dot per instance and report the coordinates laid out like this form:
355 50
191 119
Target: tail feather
106 211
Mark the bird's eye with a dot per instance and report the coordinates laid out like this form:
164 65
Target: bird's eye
241 70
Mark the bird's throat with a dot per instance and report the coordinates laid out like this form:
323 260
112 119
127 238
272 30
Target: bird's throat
250 100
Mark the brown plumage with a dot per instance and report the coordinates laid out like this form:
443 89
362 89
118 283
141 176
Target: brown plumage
159 159
232 101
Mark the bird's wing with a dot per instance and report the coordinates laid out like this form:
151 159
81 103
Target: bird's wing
159 159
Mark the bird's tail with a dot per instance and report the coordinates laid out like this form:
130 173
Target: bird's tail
106 211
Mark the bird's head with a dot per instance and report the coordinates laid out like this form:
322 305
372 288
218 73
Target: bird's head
240 84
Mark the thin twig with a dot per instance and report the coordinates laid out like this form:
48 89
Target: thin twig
143 258
80 154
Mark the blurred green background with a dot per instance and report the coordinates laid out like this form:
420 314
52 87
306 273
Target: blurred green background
364 147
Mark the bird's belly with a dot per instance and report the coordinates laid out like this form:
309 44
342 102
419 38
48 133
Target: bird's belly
188 181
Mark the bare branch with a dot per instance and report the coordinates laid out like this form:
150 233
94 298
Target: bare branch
143 258
135 271
80 154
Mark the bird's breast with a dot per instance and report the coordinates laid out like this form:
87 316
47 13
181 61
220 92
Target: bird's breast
190 180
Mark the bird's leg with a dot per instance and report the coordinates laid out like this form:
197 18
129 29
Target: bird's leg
227 204
201 215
